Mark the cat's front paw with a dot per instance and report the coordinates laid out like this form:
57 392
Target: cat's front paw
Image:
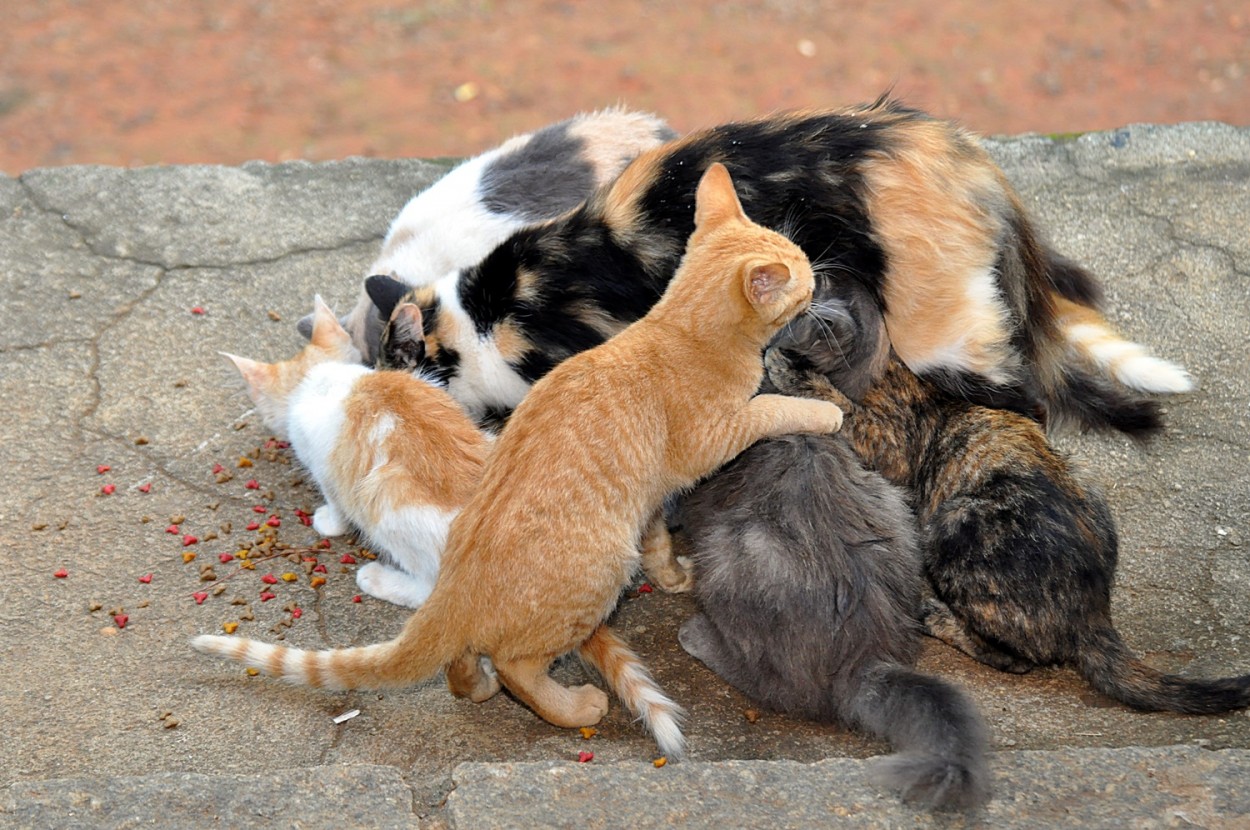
822 417
328 521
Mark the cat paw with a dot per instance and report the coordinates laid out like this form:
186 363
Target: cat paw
328 521
673 576
590 706
825 417
392 585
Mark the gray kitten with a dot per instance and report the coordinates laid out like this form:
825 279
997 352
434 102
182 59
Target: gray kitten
808 579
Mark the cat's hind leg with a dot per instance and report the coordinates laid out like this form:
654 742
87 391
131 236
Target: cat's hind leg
527 678
940 622
472 676
702 641
658 561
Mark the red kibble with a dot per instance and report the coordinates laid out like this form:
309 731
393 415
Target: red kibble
297 612
108 489
356 598
146 578
325 543
189 540
145 487
645 588
199 309
252 484
319 569
121 620
172 529
348 559
585 757
265 596
253 525
225 557
217 468
102 468
273 521
305 520
259 508
61 574
199 597
269 579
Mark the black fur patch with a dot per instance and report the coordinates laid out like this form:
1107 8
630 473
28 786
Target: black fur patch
385 292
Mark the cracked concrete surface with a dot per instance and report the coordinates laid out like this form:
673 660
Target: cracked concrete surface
104 363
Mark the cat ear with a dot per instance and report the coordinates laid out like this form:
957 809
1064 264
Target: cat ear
765 283
406 322
386 292
327 331
716 200
255 373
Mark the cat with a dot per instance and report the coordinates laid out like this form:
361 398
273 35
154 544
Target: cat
1020 553
459 219
807 578
907 205
392 453
537 559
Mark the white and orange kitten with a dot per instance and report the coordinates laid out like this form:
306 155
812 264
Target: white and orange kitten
392 453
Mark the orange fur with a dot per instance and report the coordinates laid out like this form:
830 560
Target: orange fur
537 559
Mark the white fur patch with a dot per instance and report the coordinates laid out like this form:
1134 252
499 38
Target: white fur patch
483 379
1128 362
976 344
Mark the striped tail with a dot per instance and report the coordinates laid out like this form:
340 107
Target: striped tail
424 647
629 679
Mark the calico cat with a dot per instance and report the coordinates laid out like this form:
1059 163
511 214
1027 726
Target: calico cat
808 580
537 559
392 453
463 216
908 206
1020 553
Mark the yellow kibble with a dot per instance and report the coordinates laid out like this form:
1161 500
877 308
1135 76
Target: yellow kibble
289 577
252 672
242 554
317 581
659 762
189 556
244 461
588 732
230 627
246 565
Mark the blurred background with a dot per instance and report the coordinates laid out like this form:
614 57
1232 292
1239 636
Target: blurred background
135 82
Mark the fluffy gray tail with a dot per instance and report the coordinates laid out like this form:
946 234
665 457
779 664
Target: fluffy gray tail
937 734
1115 671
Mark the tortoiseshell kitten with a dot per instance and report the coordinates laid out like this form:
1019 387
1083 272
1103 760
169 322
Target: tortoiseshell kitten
907 205
1020 553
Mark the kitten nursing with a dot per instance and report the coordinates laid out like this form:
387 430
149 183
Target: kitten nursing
394 456
808 582
1020 554
537 559
907 205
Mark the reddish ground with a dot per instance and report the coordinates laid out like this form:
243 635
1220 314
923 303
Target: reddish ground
152 81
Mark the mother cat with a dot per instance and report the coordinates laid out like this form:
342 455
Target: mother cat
909 206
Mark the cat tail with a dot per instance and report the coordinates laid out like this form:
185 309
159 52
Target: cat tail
936 731
629 679
430 640
1111 668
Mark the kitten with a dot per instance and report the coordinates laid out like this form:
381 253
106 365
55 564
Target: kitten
536 561
909 206
1020 553
392 453
462 217
808 580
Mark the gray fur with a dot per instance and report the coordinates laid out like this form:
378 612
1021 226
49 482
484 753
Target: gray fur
808 580
520 183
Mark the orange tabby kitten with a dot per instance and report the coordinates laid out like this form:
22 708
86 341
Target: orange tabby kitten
536 561
393 454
